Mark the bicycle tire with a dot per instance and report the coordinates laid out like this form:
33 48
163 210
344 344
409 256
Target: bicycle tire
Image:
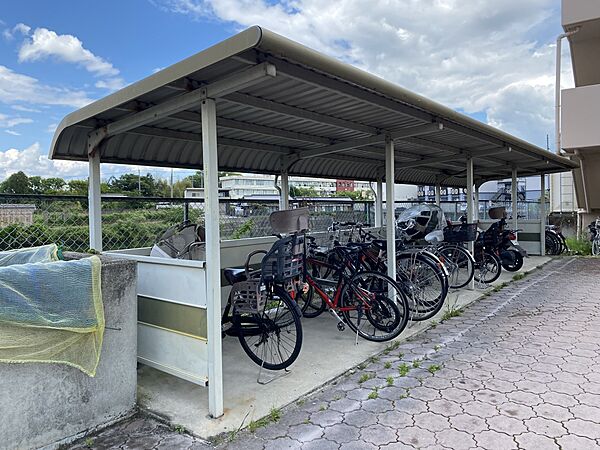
483 263
424 284
462 265
517 265
596 247
267 327
383 314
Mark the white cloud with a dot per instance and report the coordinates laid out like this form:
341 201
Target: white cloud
14 133
16 87
52 128
481 57
10 122
111 84
25 109
44 43
20 28
31 161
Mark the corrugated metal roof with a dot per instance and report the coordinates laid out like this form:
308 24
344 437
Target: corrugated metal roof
313 102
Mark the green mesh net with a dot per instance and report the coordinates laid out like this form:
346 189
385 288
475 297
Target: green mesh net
52 312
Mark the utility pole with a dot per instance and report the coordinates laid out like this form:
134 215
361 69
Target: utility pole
171 182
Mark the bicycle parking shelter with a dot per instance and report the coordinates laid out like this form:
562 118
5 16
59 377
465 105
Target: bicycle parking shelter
260 103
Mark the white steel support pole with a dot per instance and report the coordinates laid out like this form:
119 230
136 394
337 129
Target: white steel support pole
94 202
213 257
379 204
476 204
514 198
438 194
542 214
470 208
390 216
284 199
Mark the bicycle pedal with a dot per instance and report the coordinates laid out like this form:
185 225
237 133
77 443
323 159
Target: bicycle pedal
341 326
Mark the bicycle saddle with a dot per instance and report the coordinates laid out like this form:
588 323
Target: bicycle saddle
234 275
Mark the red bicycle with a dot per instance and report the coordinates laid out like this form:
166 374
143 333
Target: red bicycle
370 303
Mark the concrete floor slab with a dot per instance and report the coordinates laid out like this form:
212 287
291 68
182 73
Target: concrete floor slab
326 354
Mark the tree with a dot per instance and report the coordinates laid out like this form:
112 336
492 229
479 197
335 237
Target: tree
134 184
17 183
296 191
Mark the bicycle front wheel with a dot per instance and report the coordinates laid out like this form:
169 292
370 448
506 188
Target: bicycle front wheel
460 265
272 338
487 268
596 247
374 306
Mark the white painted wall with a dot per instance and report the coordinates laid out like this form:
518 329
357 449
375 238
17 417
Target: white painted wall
580 112
576 11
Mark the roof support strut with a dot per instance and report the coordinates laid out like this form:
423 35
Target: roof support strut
216 89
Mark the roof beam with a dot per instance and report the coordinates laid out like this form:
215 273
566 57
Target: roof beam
218 88
304 114
378 139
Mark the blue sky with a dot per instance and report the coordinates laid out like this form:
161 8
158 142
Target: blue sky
492 61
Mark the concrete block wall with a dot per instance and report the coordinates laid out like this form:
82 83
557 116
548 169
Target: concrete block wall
43 405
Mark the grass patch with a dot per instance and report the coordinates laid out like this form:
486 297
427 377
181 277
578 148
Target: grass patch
374 359
499 287
519 276
389 380
179 429
387 365
373 394
582 247
403 369
416 363
434 368
89 442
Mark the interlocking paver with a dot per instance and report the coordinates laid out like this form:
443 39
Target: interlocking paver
525 375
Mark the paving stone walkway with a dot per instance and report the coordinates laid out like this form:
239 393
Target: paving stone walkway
517 370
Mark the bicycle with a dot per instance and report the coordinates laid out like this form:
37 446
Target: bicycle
595 235
369 302
260 310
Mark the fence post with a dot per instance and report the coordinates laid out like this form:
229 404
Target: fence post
94 201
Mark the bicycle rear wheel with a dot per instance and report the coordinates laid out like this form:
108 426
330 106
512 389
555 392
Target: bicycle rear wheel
273 338
424 283
596 247
460 265
374 306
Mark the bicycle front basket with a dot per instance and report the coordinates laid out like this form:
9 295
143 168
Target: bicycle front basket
460 232
285 260
248 297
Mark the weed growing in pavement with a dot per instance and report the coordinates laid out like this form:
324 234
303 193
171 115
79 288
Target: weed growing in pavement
400 355
306 421
322 407
179 429
451 311
392 346
362 366
300 402
433 368
273 417
436 347
387 365
433 323
403 369
373 394
365 377
89 442
499 287
519 276
374 359
389 380
416 363
337 397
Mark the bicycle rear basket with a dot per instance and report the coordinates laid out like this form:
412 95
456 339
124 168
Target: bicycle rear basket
248 297
285 260
466 232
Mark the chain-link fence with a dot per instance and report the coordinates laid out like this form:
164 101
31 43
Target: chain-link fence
132 222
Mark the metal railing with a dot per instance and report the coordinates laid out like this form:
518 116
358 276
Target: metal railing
131 222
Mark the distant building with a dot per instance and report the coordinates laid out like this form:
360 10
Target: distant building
14 214
199 193
242 186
